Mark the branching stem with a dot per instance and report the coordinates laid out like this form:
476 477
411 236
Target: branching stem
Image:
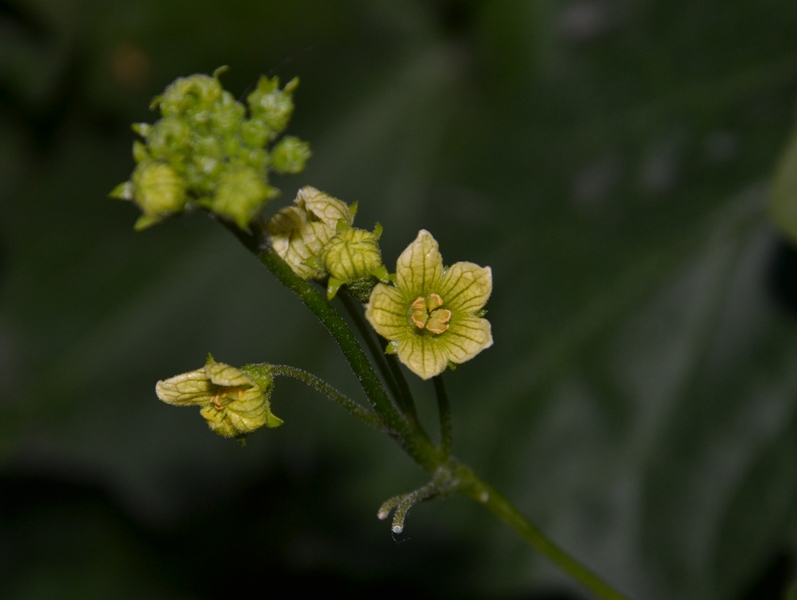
386 363
444 408
362 413
407 431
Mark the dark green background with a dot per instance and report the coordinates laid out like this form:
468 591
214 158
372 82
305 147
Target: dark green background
609 159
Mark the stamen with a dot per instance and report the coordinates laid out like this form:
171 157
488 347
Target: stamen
433 301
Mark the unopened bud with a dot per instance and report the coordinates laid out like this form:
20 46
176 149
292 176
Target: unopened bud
158 191
290 155
352 254
240 195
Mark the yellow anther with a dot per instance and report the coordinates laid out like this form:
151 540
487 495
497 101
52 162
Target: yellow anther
419 303
438 321
433 301
426 314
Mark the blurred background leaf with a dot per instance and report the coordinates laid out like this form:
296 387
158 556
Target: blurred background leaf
610 159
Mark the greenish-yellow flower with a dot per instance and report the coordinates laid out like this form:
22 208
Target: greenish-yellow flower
432 315
299 233
233 401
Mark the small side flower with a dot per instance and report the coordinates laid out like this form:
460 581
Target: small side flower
299 233
432 316
352 257
234 402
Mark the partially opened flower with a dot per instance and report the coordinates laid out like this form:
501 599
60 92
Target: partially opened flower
432 315
233 402
299 233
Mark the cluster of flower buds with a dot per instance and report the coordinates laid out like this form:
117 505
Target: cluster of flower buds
316 238
209 150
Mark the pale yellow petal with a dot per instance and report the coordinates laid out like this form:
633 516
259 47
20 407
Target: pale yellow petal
387 312
324 207
295 239
242 416
420 267
466 287
466 337
186 389
227 376
284 229
423 355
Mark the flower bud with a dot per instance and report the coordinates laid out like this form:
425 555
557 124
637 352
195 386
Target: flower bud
240 194
158 191
352 254
193 97
272 105
168 137
290 155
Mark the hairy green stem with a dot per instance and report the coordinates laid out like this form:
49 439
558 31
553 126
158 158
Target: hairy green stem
411 438
378 356
389 368
362 413
444 408
472 486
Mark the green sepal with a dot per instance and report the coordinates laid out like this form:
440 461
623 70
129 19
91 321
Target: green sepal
140 152
333 285
381 274
273 420
141 129
123 191
314 263
145 221
391 348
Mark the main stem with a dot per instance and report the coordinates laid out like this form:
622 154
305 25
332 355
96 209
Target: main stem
413 440
472 486
385 362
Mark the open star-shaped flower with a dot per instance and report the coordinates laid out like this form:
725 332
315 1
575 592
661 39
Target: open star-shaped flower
432 314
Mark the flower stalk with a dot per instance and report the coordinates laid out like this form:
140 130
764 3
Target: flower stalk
366 416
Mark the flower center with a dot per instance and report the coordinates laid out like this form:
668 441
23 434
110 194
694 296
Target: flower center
427 314
224 392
